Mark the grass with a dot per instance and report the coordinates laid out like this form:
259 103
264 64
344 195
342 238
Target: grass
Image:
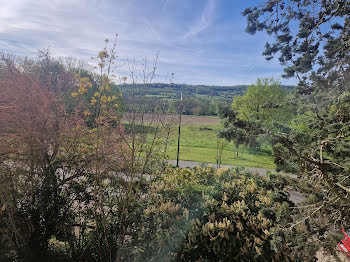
198 143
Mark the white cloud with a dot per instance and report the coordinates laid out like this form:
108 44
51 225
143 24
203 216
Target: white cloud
204 20
187 40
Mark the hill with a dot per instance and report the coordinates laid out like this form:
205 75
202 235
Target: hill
197 99
173 90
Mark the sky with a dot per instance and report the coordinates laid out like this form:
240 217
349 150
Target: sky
200 41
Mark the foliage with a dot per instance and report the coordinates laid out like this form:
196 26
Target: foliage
218 215
37 187
232 128
262 105
77 187
70 173
221 144
312 41
264 101
241 132
197 99
305 32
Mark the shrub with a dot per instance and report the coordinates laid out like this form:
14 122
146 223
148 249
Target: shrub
215 215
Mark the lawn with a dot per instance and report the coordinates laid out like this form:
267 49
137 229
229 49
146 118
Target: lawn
198 143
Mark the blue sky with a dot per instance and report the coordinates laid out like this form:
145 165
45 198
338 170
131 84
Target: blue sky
200 41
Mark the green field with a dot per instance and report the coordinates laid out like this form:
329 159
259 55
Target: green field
198 143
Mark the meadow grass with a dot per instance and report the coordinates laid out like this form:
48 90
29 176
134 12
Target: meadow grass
198 143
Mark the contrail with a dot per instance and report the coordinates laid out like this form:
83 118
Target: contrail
165 5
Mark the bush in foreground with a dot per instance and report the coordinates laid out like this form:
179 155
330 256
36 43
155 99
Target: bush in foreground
217 215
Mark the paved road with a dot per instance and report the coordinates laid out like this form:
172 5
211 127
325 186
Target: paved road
191 164
295 196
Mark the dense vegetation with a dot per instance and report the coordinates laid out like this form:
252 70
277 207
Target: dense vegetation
79 184
210 215
197 99
311 39
264 104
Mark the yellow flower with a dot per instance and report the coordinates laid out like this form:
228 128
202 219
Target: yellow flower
211 226
221 170
258 250
100 119
224 198
266 232
82 91
86 113
93 101
104 99
103 54
239 226
75 94
258 241
116 105
186 213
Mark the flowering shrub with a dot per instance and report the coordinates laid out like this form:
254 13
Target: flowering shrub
76 187
214 215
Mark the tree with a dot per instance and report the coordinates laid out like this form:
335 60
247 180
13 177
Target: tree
312 42
306 33
264 101
220 147
263 104
322 89
237 130
38 188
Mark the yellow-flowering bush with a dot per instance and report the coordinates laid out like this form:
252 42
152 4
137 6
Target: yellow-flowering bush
204 214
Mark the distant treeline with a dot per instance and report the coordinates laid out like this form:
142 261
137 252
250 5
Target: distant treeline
197 99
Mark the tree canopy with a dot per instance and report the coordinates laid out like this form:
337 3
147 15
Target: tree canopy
305 33
264 101
311 39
